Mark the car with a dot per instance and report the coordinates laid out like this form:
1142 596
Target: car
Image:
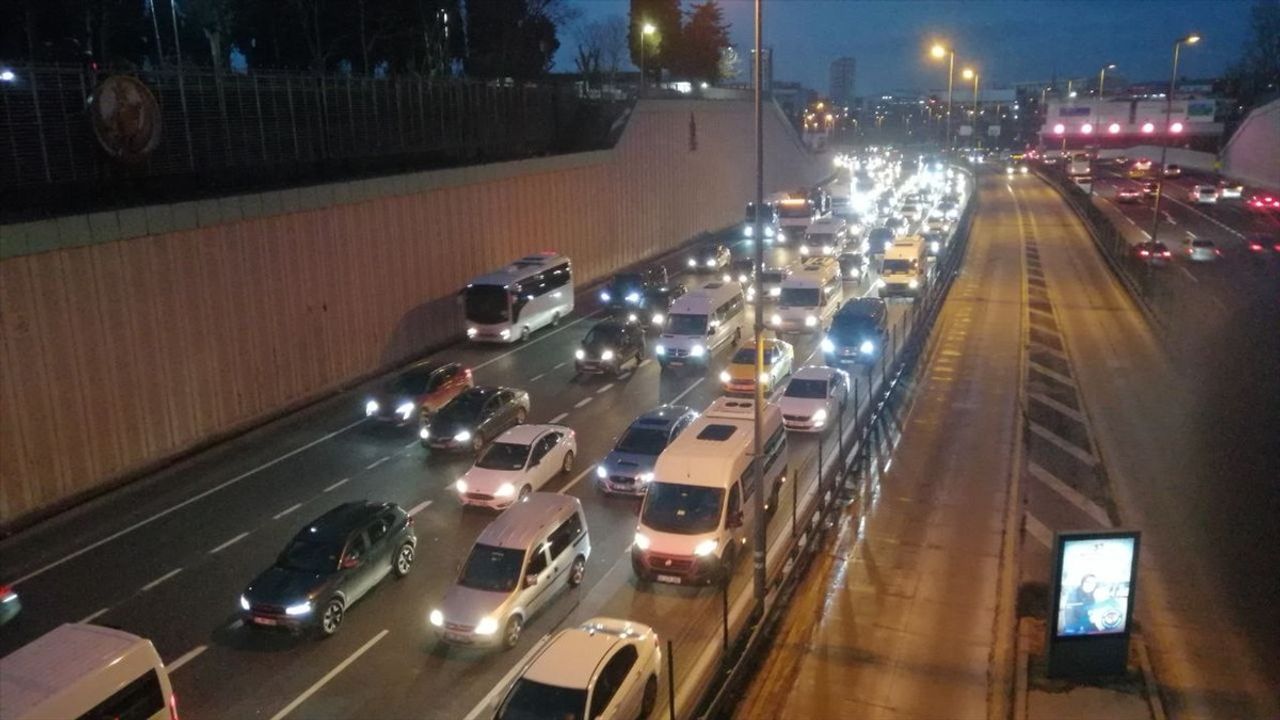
473 417
10 604
709 258
520 461
1203 250
610 346
934 242
626 292
950 208
628 468
813 397
1203 194
878 239
1134 173
1263 243
1264 202
1152 253
911 212
1172 170
740 375
331 563
1141 165
1230 190
743 272
853 265
418 392
771 280
897 224
1129 193
1150 188
1015 169
1120 159
935 226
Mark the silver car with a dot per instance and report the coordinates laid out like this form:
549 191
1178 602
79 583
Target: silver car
1201 250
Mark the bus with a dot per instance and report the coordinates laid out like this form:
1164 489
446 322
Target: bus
510 304
1078 164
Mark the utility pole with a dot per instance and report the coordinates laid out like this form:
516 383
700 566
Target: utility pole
1164 146
762 526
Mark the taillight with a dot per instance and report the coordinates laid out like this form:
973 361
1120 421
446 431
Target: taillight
1143 253
1166 253
1255 246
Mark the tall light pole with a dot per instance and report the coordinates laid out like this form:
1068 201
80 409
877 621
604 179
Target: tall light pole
759 587
938 51
1191 39
645 31
971 74
1102 78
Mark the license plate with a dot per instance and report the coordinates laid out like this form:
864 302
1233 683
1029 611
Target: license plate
676 363
265 621
457 637
673 579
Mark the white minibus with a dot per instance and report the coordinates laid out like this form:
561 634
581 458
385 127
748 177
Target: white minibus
809 297
699 322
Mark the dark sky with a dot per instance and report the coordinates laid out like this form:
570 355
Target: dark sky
1011 41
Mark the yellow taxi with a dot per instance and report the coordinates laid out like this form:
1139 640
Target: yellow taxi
740 376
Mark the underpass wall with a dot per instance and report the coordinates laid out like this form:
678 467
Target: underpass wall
1252 155
130 337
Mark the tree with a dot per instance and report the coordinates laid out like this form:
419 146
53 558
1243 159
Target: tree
514 38
216 19
613 44
1256 75
702 40
601 44
660 48
730 62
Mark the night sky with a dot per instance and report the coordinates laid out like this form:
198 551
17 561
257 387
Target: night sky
1010 41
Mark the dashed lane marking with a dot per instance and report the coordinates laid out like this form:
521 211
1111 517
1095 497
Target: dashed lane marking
338 484
560 366
229 543
94 616
644 362
1188 274
1038 530
187 657
531 343
536 378
377 462
558 418
583 401
1073 496
1080 454
328 676
687 390
161 579
286 511
419 507
577 478
605 389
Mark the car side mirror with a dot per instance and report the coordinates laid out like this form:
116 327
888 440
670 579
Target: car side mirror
736 519
350 562
530 580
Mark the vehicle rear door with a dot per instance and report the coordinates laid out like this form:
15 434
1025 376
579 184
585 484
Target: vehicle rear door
360 576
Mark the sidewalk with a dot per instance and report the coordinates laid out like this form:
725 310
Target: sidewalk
1038 697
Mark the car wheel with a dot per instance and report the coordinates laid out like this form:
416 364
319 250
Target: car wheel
650 697
577 571
555 319
477 442
521 414
524 334
524 492
568 462
404 560
332 618
511 636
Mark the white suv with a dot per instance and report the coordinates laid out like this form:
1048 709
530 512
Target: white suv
605 668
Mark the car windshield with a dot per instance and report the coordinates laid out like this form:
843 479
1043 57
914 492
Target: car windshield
495 569
747 356
504 456
850 329
800 297
681 509
311 555
628 281
411 384
643 441
772 277
603 335
1202 243
800 388
530 700
486 304
463 409
794 210
683 324
896 265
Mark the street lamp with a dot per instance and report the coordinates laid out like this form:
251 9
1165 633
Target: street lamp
939 51
971 74
646 30
1191 39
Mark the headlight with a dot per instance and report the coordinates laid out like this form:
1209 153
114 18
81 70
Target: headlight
605 297
580 354
775 319
1008 171
371 407
804 249
504 334
742 278
471 332
768 232
711 262
437 618
726 277
642 541
749 231
659 349
867 347
693 263
633 298
505 490
424 433
934 246
698 350
460 486
724 376
913 284
828 345
706 547
405 410
764 376
302 608
601 472
657 319
827 250
1023 170
810 320
487 626
775 291
607 355
646 477
464 436
244 602
819 417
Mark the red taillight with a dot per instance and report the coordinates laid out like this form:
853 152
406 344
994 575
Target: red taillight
1255 246
1166 253
1143 253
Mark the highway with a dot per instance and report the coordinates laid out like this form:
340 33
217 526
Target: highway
168 556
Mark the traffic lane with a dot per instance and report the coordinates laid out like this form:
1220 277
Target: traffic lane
1172 430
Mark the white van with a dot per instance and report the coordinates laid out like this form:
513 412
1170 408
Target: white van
825 237
700 321
903 270
696 514
809 297
1078 164
80 670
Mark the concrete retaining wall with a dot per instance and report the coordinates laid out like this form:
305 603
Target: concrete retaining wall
1252 156
133 336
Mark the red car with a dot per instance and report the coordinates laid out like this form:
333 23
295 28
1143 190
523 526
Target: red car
1152 253
1129 194
1264 202
1263 244
420 390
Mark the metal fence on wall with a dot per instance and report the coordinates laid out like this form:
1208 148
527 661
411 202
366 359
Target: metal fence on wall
276 124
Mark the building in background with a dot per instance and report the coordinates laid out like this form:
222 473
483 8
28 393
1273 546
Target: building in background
766 70
842 81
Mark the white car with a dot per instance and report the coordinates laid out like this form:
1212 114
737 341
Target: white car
1203 194
1203 250
520 461
604 668
813 397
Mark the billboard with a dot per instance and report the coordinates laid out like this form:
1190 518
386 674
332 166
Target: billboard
1095 584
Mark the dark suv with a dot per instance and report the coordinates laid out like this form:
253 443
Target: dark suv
329 565
610 346
857 332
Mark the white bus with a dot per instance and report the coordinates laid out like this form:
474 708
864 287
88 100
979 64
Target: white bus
809 297
510 304
85 672
795 212
696 514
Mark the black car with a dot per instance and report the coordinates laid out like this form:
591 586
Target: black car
853 265
626 291
878 239
743 272
611 346
713 258
857 332
329 565
474 417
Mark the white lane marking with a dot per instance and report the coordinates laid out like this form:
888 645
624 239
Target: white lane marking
190 655
583 401
578 478
1146 234
1192 235
1065 410
687 390
377 462
286 511
409 445
644 362
1210 218
229 543
419 507
160 579
1050 372
605 389
536 378
1038 530
1131 221
489 700
1072 495
1063 444
94 616
558 418
328 676
1169 219
560 366
531 343
1188 274
179 506
338 484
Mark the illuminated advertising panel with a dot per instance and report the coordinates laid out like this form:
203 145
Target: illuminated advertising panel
1095 584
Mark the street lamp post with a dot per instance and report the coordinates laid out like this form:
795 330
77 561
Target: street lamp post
1191 39
1102 81
967 74
938 51
759 585
645 31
